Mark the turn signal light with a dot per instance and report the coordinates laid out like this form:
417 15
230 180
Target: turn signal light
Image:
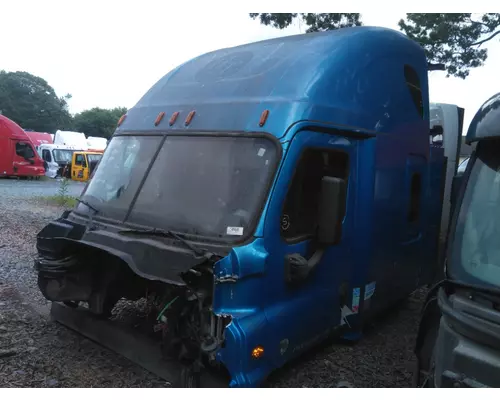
258 352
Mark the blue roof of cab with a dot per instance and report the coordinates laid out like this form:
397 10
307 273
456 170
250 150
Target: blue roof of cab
351 78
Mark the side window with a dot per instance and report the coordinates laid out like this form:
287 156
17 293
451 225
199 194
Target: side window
24 150
80 160
46 155
300 210
415 194
413 84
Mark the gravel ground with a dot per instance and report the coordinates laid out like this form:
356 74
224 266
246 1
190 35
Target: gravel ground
13 188
35 352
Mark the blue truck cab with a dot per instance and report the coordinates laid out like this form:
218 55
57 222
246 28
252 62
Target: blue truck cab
261 198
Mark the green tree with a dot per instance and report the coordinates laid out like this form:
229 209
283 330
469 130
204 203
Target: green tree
98 121
315 22
32 103
453 40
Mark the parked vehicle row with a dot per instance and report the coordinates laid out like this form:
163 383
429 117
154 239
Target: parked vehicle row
66 153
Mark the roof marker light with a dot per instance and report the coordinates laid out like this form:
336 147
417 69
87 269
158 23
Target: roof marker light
189 118
263 117
122 118
159 118
173 118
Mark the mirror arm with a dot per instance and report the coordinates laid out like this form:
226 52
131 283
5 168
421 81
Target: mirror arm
315 259
298 267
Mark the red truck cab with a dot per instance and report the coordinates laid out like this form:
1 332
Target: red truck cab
38 138
18 156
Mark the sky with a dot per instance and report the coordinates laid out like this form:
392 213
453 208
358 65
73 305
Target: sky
108 54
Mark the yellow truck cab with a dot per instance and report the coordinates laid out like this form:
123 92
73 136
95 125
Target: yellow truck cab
82 165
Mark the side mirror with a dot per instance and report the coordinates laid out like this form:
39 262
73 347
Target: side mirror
331 210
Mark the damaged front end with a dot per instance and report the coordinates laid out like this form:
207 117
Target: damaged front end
92 269
175 232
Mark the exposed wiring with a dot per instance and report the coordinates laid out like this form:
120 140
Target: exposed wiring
166 308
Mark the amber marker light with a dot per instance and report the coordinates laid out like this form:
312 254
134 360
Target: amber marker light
263 117
173 118
159 118
189 118
258 352
122 118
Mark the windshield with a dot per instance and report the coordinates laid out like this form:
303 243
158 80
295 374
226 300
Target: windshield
475 251
201 185
120 172
93 158
63 156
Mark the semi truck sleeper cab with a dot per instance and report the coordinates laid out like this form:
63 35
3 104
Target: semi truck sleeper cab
260 198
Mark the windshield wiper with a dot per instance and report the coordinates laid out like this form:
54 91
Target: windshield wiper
164 233
90 225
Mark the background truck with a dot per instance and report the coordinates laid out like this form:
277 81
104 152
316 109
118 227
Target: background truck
18 157
458 343
97 144
260 199
56 158
76 140
82 165
38 138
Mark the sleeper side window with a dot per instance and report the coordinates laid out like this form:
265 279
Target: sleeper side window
415 195
413 84
299 217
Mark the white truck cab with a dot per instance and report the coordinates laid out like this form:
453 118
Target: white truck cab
450 118
56 157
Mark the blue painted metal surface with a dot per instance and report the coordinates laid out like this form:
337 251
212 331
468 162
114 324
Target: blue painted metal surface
486 122
349 77
343 90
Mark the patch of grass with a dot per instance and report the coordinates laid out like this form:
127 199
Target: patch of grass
63 188
61 199
58 200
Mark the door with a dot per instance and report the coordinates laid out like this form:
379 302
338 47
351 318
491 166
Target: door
306 308
23 158
79 169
